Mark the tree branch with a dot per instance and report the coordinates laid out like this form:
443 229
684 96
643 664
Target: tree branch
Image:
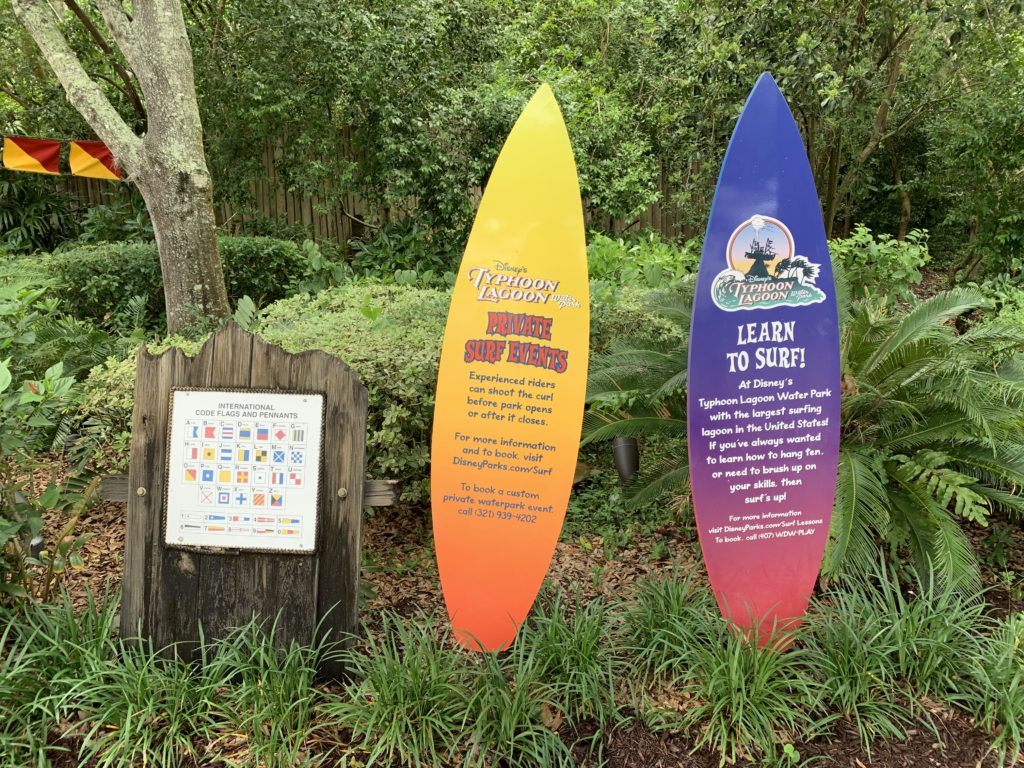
879 131
120 26
129 89
86 96
9 93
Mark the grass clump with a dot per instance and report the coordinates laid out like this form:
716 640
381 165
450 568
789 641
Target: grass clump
264 694
507 703
405 699
669 620
995 693
917 637
576 658
748 700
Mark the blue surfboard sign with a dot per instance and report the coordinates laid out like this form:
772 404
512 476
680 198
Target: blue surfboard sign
763 390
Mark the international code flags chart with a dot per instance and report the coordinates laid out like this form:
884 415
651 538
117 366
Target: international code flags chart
244 469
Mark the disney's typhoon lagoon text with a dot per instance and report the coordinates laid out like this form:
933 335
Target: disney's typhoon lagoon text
763 441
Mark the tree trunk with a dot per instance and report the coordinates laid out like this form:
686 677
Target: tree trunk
897 178
185 229
167 164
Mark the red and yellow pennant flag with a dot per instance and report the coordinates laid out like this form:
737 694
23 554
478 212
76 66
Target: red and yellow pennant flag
32 155
93 159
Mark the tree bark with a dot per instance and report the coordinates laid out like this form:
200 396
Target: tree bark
893 55
897 178
168 164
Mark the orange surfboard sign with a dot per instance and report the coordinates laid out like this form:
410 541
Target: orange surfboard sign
511 383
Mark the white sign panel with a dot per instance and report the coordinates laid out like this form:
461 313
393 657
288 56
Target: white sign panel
244 469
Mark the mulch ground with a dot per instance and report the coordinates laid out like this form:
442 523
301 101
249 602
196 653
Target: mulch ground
400 575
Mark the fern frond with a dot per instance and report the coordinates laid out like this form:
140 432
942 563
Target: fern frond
946 486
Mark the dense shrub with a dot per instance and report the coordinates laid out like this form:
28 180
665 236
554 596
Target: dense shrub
644 260
391 336
34 215
97 281
880 264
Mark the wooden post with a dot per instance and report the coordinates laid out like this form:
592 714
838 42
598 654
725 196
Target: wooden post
168 593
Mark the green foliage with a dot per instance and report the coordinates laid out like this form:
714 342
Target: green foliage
391 337
875 650
643 261
650 93
1006 297
749 700
995 695
576 659
637 388
34 216
65 674
46 647
931 434
402 247
264 688
123 219
415 699
99 282
322 272
403 700
872 650
670 618
29 420
880 264
504 711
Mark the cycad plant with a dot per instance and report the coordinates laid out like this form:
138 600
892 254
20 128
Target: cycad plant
931 432
637 388
932 425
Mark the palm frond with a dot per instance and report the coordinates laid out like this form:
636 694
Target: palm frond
656 479
925 318
937 542
861 512
598 427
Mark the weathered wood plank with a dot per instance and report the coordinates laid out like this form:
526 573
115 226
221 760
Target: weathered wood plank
170 592
341 492
145 505
174 581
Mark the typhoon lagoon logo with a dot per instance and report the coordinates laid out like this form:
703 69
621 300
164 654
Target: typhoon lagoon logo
764 270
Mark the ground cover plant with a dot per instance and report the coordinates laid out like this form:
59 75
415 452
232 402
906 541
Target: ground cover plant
579 675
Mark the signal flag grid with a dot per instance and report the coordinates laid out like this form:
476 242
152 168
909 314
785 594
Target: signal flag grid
244 479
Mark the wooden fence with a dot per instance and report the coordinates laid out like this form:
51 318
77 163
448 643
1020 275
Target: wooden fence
339 222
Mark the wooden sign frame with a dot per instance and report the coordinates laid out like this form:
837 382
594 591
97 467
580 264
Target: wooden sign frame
169 593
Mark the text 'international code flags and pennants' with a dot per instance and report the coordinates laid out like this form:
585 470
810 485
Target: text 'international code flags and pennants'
91 159
243 475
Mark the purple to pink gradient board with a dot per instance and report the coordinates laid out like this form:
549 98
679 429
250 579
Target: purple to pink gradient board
763 397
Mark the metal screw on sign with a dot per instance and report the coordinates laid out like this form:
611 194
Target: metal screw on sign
140 491
342 493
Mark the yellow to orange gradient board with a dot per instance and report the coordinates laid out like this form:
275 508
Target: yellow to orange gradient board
511 383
